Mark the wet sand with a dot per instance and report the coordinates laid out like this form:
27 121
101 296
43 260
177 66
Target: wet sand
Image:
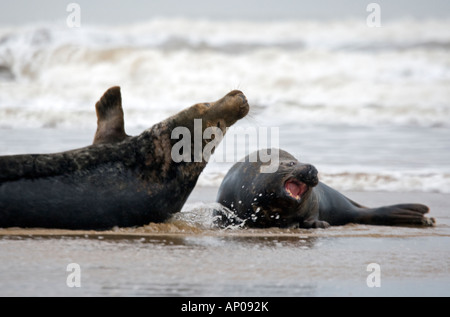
185 257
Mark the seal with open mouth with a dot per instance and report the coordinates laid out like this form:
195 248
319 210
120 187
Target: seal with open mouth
123 181
293 196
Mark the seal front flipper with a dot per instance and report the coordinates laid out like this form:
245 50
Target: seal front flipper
314 223
110 122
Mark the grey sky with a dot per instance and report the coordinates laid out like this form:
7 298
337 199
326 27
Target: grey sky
130 11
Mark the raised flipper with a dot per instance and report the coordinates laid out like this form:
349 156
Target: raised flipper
110 122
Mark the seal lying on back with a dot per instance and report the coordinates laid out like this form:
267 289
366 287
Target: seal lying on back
293 196
123 181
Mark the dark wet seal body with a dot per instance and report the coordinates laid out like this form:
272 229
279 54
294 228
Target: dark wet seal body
127 183
293 196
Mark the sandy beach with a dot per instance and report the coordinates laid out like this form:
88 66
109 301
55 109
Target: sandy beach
185 258
367 104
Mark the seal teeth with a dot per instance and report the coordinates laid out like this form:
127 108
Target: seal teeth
292 195
295 188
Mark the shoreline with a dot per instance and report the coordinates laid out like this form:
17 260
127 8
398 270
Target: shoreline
184 259
202 197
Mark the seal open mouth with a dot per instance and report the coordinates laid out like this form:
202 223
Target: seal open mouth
295 188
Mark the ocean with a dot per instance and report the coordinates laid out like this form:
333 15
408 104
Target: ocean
369 107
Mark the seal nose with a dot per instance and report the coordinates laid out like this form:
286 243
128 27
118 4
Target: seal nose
244 100
308 174
240 94
244 107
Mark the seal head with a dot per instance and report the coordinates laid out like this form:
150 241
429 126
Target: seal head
269 199
215 117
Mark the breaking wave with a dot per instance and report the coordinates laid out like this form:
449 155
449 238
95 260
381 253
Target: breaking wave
338 71
311 74
433 182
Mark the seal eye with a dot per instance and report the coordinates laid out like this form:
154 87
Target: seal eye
291 163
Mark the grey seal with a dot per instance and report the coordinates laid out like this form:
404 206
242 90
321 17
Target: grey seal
294 196
119 180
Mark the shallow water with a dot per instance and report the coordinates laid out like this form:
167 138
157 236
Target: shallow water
187 257
368 107
224 265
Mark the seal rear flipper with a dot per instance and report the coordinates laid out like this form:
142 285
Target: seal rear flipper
396 215
110 121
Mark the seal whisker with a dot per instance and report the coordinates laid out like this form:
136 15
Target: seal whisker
252 120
